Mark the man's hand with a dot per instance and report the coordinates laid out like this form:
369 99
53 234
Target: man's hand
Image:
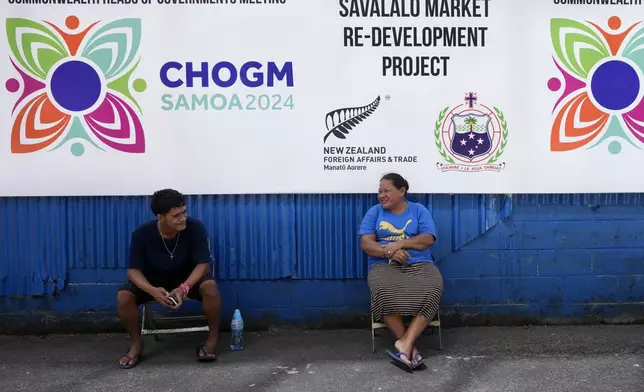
391 248
400 256
179 295
160 295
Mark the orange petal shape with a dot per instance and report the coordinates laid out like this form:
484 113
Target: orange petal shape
614 40
73 41
37 126
577 123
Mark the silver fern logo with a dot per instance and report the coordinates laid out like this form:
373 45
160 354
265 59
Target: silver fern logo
340 121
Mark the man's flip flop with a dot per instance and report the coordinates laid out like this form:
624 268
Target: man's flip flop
398 361
206 357
136 358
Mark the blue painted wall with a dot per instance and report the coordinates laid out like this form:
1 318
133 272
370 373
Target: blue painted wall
294 259
557 259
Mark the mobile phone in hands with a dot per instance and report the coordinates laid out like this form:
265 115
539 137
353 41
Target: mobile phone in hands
173 300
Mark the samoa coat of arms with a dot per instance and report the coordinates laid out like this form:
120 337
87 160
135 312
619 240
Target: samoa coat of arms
471 137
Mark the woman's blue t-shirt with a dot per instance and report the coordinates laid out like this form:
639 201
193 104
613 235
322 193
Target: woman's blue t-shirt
389 227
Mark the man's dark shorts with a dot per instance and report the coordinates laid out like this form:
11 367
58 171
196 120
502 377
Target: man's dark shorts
143 297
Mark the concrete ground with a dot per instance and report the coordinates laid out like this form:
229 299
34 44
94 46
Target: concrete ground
575 359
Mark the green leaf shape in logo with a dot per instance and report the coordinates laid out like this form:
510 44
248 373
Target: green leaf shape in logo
114 46
122 85
577 46
437 135
34 38
634 49
504 135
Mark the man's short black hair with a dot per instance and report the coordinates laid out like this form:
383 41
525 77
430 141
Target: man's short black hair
166 199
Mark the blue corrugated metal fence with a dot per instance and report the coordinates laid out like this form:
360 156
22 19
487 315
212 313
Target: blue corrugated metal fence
254 237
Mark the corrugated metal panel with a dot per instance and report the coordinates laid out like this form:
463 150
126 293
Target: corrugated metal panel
604 199
327 227
253 237
33 245
99 229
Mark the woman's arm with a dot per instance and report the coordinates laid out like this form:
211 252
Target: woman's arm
367 233
419 242
426 232
370 246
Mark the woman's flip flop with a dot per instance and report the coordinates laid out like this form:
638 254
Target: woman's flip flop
419 362
398 361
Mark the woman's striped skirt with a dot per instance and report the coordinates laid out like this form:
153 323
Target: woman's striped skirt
409 290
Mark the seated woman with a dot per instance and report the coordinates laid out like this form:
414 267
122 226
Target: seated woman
397 235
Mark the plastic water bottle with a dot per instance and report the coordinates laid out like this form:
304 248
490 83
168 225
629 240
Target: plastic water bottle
237 328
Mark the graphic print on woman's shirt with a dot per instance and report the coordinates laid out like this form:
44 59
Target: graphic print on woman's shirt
394 234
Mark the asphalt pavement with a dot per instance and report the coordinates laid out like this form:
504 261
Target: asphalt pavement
558 359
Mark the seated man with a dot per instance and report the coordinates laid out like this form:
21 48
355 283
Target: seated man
169 256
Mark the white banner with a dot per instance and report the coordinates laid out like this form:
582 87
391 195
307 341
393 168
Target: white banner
123 97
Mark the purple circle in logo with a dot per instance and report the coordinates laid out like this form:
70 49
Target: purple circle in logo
615 85
12 85
554 84
75 86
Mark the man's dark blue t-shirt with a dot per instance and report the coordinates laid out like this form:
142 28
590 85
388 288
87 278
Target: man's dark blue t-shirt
149 254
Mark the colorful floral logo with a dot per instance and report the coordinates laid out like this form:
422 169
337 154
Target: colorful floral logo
602 85
75 85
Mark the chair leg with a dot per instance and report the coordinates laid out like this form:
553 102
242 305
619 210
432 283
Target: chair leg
143 318
146 316
440 333
153 325
373 333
